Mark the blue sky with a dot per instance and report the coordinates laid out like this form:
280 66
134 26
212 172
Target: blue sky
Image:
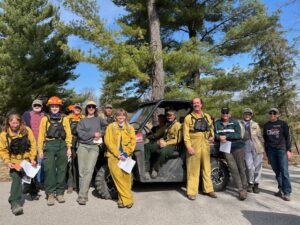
91 78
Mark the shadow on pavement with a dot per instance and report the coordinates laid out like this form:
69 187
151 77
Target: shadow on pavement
270 218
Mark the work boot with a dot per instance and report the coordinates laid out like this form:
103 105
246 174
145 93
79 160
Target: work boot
242 195
278 194
212 194
17 209
250 188
256 189
50 200
60 199
286 197
147 176
154 174
81 200
191 197
70 190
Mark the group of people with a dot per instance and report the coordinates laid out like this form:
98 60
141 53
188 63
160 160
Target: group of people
67 148
248 145
65 145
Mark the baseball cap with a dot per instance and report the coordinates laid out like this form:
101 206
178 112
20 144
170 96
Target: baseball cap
108 106
273 110
225 110
248 110
37 102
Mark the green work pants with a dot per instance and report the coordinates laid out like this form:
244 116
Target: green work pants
163 154
55 161
16 187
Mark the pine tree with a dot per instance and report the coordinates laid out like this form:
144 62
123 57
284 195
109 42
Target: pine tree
32 62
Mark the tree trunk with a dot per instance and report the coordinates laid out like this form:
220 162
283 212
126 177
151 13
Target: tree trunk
195 74
157 79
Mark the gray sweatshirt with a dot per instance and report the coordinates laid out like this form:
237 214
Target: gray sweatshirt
87 127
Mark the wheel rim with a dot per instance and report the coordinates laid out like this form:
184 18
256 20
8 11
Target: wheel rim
217 176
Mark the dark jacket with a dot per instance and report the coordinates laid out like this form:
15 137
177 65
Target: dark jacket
277 135
231 130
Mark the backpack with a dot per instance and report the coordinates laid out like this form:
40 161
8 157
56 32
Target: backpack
73 125
18 145
200 124
56 129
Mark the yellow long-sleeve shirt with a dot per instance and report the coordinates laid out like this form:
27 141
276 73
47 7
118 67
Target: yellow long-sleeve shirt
173 135
12 158
188 128
112 139
43 130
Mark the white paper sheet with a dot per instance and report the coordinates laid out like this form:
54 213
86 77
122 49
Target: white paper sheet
100 141
127 165
29 169
225 146
26 179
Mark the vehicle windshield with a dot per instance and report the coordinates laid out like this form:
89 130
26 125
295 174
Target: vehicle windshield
140 116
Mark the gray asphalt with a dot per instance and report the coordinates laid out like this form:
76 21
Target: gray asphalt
159 204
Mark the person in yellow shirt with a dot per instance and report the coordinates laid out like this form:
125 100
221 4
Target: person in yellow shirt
17 143
120 141
164 146
72 172
198 130
54 145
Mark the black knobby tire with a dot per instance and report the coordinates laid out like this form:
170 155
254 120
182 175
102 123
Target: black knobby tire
219 174
104 184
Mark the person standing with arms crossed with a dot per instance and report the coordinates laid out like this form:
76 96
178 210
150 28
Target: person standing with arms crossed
198 131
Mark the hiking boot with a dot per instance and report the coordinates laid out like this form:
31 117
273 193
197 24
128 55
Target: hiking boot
50 200
242 195
212 194
279 194
60 199
129 206
147 176
256 189
17 209
286 197
81 200
70 190
250 188
191 197
154 174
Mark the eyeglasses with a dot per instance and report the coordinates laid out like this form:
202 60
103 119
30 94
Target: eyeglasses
272 113
35 106
91 107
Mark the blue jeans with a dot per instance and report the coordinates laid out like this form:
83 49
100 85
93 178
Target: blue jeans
41 174
279 163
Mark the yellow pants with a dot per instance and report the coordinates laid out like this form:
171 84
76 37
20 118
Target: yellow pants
200 160
122 181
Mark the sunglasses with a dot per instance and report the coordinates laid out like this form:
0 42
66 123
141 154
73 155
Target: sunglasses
272 113
225 113
35 106
91 107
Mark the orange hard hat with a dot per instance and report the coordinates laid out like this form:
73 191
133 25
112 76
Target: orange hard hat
71 108
54 100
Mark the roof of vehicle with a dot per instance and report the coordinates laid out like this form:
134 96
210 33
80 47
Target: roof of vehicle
167 101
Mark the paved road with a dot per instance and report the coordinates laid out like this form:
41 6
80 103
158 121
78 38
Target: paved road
159 204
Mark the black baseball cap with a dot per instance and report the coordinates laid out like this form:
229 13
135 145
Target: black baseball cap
225 110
